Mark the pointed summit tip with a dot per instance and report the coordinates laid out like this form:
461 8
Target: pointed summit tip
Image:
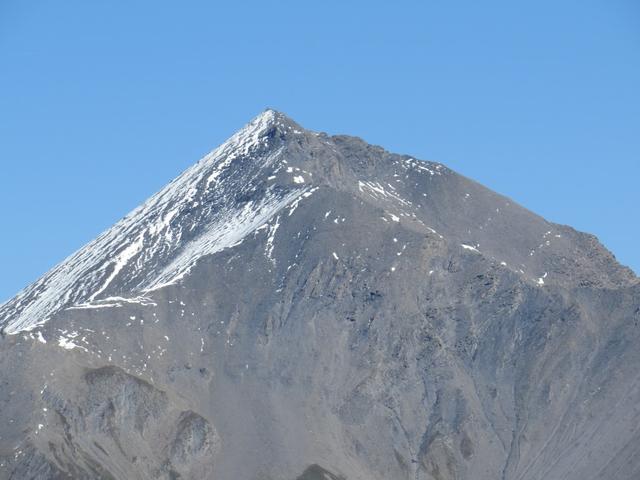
274 116
271 118
268 120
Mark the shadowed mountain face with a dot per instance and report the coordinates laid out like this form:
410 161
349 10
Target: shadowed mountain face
297 306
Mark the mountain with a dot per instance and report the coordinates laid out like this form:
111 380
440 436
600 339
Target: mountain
299 306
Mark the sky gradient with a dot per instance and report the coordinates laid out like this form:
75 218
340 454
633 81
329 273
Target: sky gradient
102 103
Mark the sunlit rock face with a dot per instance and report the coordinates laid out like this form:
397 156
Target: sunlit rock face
298 306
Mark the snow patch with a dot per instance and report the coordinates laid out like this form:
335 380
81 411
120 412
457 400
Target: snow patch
68 344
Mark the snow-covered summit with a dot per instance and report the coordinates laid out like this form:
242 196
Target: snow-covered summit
202 211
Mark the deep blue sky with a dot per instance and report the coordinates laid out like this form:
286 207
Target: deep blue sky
102 103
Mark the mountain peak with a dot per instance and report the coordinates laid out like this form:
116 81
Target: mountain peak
270 118
273 164
270 115
211 206
294 293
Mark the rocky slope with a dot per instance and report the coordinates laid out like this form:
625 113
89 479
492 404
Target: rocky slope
305 306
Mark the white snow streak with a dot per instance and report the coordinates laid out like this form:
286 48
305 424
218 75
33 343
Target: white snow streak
270 239
221 235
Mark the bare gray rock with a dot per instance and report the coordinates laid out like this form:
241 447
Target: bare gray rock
304 306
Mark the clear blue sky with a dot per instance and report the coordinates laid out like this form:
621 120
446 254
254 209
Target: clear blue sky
102 103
